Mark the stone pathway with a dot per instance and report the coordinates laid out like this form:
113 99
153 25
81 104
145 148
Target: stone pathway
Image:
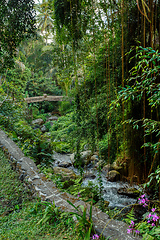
47 190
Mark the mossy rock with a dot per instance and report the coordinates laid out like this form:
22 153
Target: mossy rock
100 163
120 167
38 121
106 168
113 176
130 192
66 174
85 158
116 166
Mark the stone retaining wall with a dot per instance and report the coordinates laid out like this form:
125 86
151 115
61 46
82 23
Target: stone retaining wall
47 190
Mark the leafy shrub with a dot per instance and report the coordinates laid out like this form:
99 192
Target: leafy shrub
10 112
39 149
62 133
153 184
103 145
35 111
108 143
23 130
65 107
48 126
61 147
90 191
43 116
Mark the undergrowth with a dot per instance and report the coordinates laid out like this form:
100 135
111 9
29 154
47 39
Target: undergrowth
22 216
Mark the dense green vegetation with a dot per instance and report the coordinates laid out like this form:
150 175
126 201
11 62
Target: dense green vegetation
20 213
113 100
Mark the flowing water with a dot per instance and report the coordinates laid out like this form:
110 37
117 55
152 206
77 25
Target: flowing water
110 188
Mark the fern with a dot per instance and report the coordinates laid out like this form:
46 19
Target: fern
130 217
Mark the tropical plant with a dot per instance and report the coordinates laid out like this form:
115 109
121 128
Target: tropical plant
38 148
84 224
44 18
149 227
143 84
51 213
153 185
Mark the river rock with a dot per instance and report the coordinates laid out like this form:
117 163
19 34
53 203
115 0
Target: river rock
121 168
65 173
72 158
89 175
130 192
38 121
64 164
94 158
57 162
53 118
85 157
99 163
106 168
43 129
113 176
115 166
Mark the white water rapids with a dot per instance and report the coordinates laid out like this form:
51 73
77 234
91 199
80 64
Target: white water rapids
110 188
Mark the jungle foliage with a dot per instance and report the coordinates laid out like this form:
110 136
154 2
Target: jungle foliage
104 56
116 98
17 21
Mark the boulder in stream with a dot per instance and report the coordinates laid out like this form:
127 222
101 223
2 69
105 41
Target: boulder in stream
89 175
85 157
116 166
113 176
99 163
64 164
106 168
121 167
94 158
130 192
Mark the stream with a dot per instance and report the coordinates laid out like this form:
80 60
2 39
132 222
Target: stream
110 188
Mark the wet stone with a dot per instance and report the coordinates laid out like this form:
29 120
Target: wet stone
103 216
64 164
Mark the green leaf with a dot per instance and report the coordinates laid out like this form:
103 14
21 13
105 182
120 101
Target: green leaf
88 234
73 205
146 236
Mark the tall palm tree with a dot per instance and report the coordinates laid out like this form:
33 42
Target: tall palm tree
44 19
